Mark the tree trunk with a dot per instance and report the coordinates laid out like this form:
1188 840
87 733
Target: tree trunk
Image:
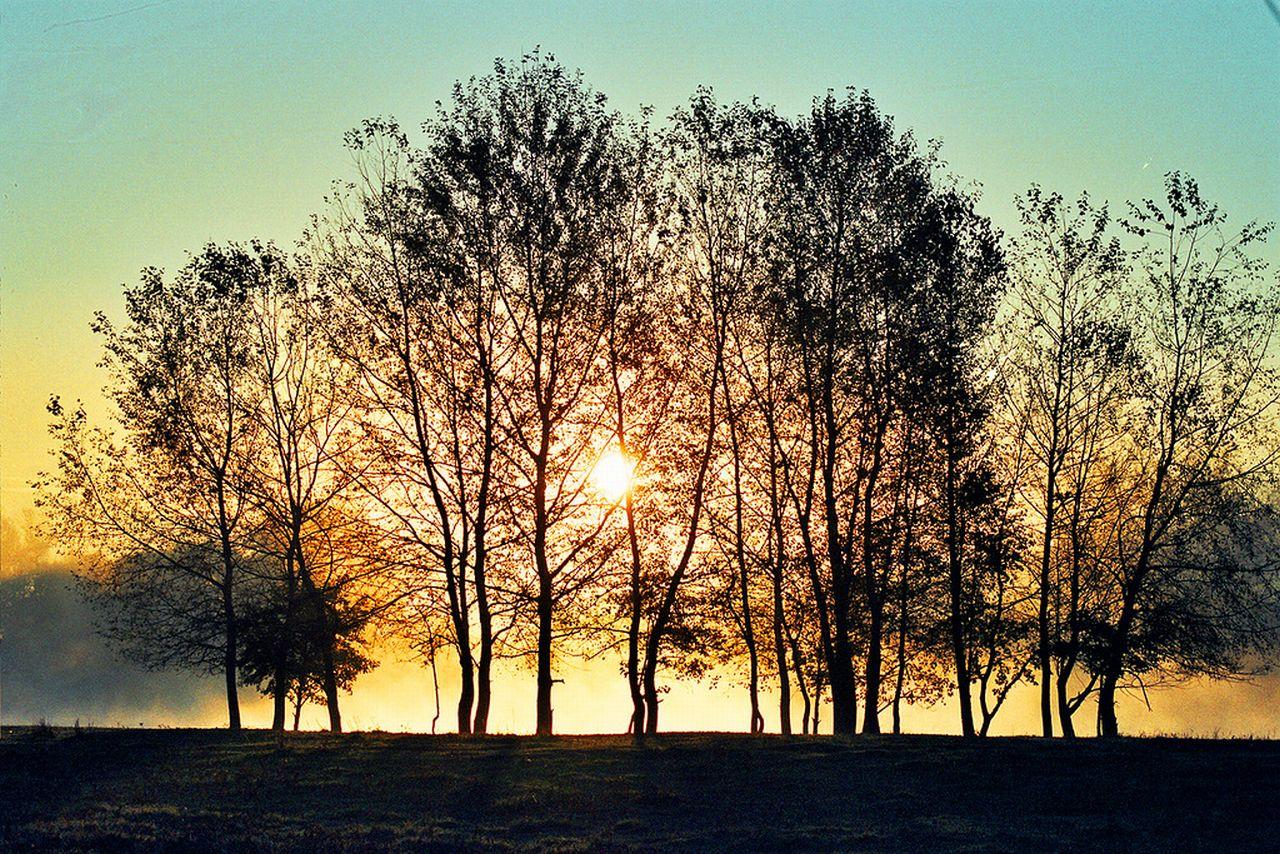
1114 667
748 631
1042 614
844 692
544 726
229 661
282 650
633 628
780 656
1107 724
278 701
901 677
1064 707
875 598
459 616
658 626
484 679
871 703
817 707
484 670
331 689
959 647
328 639
435 684
231 653
798 664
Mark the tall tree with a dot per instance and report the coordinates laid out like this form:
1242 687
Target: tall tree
717 180
1195 581
548 145
1067 272
408 301
155 505
320 555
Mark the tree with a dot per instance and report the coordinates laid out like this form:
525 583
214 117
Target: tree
261 630
1067 275
542 146
320 556
1194 577
407 264
717 179
155 506
859 253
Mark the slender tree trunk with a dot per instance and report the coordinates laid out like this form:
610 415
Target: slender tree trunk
633 629
780 655
739 547
840 674
871 703
435 684
1064 707
901 677
797 663
331 689
231 651
1044 652
658 626
229 660
959 633
329 637
466 664
544 726
279 701
875 597
484 675
461 636
546 602
817 706
484 669
844 694
282 647
1108 726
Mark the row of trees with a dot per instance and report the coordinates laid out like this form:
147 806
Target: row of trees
735 395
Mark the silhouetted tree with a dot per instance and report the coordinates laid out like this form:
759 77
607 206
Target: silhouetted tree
1195 581
154 505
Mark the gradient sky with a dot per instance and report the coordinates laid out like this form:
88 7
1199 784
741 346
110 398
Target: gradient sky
134 131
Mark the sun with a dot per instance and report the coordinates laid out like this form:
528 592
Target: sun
612 474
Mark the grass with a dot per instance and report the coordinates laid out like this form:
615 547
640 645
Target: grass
209 790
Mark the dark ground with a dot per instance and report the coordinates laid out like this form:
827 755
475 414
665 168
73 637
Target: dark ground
204 789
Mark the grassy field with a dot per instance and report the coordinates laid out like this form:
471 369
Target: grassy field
201 789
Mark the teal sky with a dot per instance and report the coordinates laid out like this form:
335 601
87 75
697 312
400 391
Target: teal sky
133 131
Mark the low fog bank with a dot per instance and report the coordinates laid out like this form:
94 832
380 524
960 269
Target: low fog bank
54 666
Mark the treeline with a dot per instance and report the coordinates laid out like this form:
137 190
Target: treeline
733 394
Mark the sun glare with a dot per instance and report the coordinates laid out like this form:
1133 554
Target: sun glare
612 474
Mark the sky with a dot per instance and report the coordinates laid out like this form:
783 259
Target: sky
136 131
